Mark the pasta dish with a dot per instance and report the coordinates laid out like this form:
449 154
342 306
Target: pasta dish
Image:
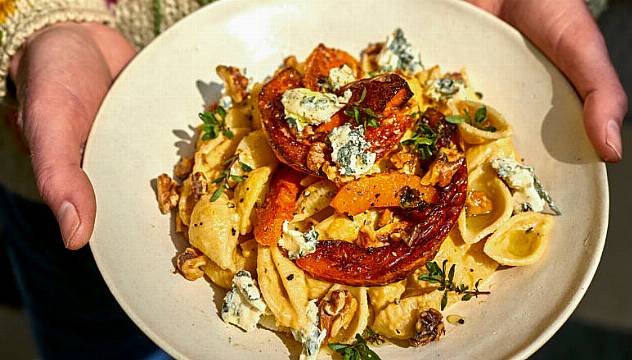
350 202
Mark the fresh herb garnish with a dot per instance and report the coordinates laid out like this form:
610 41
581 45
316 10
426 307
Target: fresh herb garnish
223 181
372 338
359 350
363 115
214 123
479 119
437 275
423 140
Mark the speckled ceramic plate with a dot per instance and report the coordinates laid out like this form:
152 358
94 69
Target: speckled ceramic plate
147 117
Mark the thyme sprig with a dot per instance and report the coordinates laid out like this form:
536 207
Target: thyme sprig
438 275
223 181
363 115
424 139
214 123
359 350
480 115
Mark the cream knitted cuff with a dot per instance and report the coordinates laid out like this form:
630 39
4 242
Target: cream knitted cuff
21 18
142 20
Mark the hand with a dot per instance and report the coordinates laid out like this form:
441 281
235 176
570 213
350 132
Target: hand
62 74
565 31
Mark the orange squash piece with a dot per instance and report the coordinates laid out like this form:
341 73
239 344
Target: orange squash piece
379 191
279 206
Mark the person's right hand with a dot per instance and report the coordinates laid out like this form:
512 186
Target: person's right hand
62 74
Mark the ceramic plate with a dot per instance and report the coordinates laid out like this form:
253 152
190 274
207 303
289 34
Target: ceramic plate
148 115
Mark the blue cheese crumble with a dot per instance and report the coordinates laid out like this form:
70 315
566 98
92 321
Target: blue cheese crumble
399 54
445 88
243 305
528 193
306 107
311 336
341 76
296 243
226 102
350 150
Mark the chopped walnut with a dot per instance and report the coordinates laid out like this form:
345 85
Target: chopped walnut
402 158
368 57
292 62
443 168
180 227
429 327
168 193
199 184
367 238
316 156
183 167
394 232
478 203
385 218
235 84
336 310
190 263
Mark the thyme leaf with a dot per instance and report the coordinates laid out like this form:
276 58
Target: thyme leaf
423 140
223 182
214 124
437 275
364 116
359 350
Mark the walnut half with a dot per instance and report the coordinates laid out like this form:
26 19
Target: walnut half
429 327
190 263
336 311
168 193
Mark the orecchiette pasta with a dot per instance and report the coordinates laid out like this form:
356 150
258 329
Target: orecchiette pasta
483 183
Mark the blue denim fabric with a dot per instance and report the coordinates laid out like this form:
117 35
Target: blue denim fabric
72 313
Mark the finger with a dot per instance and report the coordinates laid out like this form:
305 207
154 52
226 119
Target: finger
58 101
56 155
567 34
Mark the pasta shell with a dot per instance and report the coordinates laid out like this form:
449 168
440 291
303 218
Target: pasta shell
380 296
481 154
397 320
316 289
360 318
474 135
475 228
314 199
248 194
213 230
222 277
210 157
255 152
283 287
520 241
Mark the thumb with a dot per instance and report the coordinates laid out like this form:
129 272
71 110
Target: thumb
565 31
56 150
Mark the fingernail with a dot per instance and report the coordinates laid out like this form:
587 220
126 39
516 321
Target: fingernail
68 222
613 140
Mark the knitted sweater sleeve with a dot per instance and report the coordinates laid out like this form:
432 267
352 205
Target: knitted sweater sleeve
21 18
138 20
